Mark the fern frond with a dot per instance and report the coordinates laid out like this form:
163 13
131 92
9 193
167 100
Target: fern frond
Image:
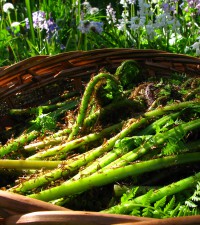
147 212
195 198
184 211
170 205
136 211
129 195
164 128
147 197
160 203
190 204
175 211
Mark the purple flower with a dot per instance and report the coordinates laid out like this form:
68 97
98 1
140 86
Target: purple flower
39 20
86 26
110 14
96 27
193 5
52 28
165 6
62 47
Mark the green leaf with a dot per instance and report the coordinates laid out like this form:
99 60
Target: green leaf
135 211
170 205
147 212
160 203
190 204
147 198
5 36
129 195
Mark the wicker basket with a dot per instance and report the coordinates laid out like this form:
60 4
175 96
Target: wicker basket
38 79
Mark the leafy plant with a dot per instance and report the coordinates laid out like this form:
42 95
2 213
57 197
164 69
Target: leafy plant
44 122
164 207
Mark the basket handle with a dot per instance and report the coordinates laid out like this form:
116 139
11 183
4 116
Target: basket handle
10 203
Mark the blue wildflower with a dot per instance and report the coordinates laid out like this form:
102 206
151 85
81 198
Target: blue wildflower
86 26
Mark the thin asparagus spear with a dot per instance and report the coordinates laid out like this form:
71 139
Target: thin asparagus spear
17 143
173 107
101 113
66 147
51 140
158 123
171 189
31 133
24 164
44 108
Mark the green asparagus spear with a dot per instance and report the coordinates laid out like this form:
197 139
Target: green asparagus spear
168 190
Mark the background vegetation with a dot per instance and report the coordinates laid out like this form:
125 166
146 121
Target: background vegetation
36 27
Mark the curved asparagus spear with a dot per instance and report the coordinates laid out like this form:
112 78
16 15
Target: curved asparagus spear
86 99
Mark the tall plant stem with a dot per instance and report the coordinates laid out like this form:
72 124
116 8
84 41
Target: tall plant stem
29 11
17 143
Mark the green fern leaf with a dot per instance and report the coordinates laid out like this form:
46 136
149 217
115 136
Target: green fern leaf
146 200
184 211
147 212
157 213
129 195
190 204
195 198
136 211
160 203
175 211
170 205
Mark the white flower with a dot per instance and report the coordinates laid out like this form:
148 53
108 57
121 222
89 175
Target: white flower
110 14
198 51
15 24
86 6
7 7
150 30
154 1
137 22
123 3
196 47
93 10
131 2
